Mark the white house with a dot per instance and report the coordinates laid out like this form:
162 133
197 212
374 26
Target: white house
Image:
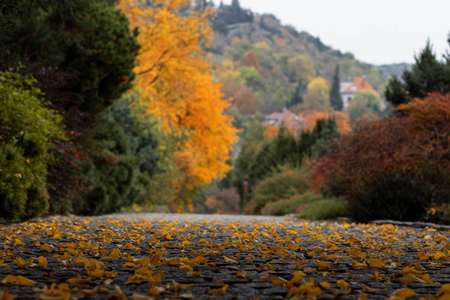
348 89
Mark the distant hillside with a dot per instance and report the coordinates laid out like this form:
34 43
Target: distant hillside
260 59
395 70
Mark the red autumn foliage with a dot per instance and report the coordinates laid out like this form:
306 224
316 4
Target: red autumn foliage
410 150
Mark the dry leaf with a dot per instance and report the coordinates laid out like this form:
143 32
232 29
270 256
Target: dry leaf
5 295
229 260
404 293
141 297
42 262
322 265
88 291
219 291
411 279
325 285
445 289
79 281
278 281
344 285
241 275
19 279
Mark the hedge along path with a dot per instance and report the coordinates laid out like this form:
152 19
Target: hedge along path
92 258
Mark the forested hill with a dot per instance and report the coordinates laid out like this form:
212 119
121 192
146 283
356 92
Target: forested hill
260 58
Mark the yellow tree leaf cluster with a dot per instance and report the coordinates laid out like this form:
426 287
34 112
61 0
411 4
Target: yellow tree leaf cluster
177 87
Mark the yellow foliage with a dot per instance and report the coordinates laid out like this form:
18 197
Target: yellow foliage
178 89
318 91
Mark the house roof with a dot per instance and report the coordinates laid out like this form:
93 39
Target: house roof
290 120
344 86
358 84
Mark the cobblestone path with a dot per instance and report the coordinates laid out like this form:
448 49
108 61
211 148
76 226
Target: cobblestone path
150 256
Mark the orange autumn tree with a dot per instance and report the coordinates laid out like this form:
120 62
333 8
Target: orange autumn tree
342 120
177 87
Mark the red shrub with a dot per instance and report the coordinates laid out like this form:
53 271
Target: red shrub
393 160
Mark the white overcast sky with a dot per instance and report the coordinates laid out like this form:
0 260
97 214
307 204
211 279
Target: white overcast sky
375 31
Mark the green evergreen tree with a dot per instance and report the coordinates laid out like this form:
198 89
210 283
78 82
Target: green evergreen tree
235 5
297 97
280 150
395 92
426 76
335 95
120 175
325 132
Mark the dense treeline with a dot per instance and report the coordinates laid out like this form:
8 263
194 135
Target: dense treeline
394 168
102 147
82 54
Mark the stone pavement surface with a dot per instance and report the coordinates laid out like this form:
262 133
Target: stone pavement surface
170 256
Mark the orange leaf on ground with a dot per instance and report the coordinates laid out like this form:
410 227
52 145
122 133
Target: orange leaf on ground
42 262
5 295
88 292
19 279
322 265
278 281
79 280
411 279
229 260
218 291
404 293
343 285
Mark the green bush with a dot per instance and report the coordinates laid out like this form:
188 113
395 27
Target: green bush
27 132
289 206
282 184
324 209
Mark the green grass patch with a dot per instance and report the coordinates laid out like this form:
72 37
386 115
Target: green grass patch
324 209
289 206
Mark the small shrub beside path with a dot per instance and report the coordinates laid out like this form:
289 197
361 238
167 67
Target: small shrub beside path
164 256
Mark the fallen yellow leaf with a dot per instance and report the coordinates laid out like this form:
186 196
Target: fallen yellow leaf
404 293
241 275
411 279
325 285
5 295
218 291
368 289
88 291
344 285
141 297
42 262
375 263
278 281
322 265
229 260
79 280
19 279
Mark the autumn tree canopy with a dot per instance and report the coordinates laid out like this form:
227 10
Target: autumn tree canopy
178 89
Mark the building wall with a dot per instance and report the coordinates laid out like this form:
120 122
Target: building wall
346 98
